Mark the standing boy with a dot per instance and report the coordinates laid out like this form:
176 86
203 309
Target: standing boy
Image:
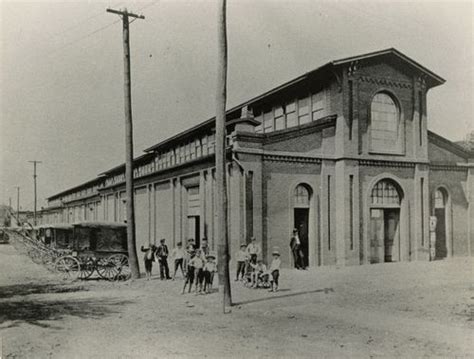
241 259
275 271
178 255
198 263
148 259
209 269
189 273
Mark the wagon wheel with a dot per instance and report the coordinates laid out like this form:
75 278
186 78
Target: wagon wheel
68 267
87 267
120 262
107 269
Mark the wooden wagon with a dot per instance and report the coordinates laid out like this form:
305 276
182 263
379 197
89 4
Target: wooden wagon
96 246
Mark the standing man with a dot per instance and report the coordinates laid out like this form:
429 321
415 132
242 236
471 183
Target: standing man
205 247
162 253
295 245
253 250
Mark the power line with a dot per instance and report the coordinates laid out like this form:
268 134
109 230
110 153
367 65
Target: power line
81 22
85 36
100 29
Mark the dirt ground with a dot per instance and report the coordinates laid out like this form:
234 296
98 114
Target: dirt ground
407 310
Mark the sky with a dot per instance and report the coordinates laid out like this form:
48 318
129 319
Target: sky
61 71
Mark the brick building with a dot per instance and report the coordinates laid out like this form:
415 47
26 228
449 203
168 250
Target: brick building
342 153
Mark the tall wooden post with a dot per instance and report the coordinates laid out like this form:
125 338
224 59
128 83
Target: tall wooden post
34 180
132 252
221 209
18 205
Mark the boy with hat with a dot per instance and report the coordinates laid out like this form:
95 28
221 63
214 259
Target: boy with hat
209 269
241 259
275 270
198 263
189 273
259 272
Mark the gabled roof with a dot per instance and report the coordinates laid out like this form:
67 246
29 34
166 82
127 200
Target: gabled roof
434 80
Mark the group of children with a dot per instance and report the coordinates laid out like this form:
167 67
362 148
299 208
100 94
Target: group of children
253 271
200 267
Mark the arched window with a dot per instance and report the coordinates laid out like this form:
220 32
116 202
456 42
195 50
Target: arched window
385 193
440 199
385 130
301 196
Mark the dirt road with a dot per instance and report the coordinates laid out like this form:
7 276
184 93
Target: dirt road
392 310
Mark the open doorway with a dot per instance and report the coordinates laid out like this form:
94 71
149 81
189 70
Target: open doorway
301 216
440 200
385 205
194 227
385 235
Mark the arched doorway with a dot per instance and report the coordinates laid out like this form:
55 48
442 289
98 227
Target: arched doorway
301 214
440 212
385 204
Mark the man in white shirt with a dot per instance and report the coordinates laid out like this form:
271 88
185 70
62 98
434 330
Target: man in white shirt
253 249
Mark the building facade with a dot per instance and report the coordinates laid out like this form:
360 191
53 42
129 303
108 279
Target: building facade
341 153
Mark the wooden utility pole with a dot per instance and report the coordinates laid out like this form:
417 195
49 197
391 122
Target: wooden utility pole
132 252
18 205
221 99
34 180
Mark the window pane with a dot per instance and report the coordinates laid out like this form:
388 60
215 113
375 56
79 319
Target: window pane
278 111
318 101
301 196
304 119
268 121
384 131
280 123
290 107
439 199
291 119
303 106
384 192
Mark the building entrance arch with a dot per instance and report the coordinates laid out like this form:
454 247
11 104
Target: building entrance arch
385 205
441 210
302 199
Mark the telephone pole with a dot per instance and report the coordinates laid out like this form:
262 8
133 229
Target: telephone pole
34 180
221 99
132 252
18 205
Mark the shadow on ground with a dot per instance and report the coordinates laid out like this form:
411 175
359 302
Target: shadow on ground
42 312
9 291
274 297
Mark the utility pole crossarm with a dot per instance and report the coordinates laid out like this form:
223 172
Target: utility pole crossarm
125 12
